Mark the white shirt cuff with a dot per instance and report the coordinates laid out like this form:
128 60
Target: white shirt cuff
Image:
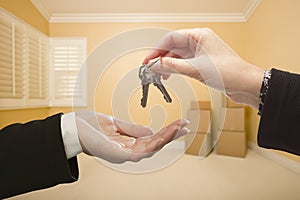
70 135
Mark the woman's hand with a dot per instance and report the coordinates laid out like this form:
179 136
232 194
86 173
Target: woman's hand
202 55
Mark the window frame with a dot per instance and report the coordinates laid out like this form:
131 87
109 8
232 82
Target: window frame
24 101
42 62
67 42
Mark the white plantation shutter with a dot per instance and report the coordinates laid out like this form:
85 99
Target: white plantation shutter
12 61
34 71
24 64
68 73
19 60
45 67
38 66
6 57
11 58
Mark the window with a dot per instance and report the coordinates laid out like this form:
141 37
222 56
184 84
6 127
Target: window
24 63
11 61
26 77
68 72
37 70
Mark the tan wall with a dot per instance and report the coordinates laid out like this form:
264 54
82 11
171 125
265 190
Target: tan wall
271 39
98 33
24 10
21 115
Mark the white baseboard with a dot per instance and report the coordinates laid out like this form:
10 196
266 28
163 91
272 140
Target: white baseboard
279 159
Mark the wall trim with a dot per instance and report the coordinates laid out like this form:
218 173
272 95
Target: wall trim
249 10
148 17
41 9
279 159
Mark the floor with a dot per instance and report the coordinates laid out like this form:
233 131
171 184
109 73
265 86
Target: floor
213 178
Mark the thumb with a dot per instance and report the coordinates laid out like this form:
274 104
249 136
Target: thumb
167 65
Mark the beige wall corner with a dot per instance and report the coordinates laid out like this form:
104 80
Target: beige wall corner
26 11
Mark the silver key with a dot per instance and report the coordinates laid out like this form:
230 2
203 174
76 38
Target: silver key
147 77
163 90
145 89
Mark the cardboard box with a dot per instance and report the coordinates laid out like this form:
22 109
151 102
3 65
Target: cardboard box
200 120
232 143
198 144
200 105
234 119
231 104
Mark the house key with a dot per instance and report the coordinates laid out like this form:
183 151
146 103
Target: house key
147 77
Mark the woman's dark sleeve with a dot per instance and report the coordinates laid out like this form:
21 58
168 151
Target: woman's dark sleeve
32 157
279 126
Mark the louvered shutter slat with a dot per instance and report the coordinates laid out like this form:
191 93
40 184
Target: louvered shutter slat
67 58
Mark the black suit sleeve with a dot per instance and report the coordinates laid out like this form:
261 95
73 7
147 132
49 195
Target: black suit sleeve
32 157
280 121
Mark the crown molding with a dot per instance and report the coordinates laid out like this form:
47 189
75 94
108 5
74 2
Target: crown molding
46 14
148 17
250 8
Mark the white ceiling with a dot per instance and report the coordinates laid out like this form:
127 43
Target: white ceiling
141 10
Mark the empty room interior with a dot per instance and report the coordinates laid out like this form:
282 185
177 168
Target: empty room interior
84 116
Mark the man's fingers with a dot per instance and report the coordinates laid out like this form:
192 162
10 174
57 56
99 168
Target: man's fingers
125 141
126 128
181 133
166 135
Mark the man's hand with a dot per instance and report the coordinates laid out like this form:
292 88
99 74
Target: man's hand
118 141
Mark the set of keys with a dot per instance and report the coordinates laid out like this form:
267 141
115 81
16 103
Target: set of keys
147 77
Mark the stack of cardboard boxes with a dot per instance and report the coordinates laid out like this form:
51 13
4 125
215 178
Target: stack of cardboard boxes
232 140
199 141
